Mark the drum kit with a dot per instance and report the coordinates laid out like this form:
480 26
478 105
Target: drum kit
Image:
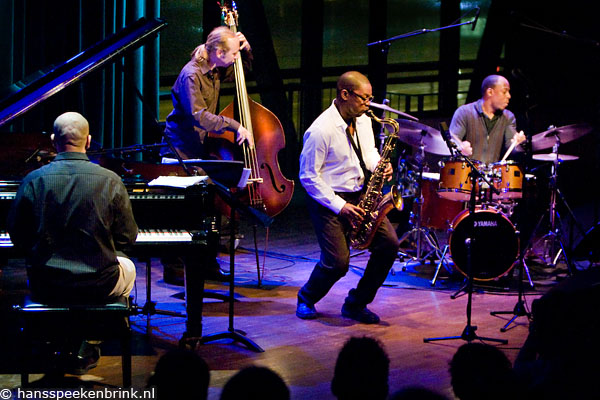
483 242
440 198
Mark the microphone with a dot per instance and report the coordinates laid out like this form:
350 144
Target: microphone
476 18
446 136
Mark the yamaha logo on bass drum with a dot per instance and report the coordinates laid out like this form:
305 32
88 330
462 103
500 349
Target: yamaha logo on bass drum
485 224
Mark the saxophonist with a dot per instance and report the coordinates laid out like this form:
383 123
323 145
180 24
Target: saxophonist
338 154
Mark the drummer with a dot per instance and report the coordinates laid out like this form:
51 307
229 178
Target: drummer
485 127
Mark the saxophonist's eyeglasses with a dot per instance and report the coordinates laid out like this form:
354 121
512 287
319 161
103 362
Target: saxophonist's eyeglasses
365 99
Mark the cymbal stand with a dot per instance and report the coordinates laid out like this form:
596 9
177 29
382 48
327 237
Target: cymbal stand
442 261
418 231
468 332
554 247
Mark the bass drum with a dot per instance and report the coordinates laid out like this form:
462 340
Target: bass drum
494 244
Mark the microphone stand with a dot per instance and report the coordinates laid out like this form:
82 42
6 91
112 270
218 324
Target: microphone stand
386 43
425 30
129 149
382 134
468 333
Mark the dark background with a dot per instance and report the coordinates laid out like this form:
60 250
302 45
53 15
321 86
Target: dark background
548 51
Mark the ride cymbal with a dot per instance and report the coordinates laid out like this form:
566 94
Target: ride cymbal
411 132
393 110
568 133
553 156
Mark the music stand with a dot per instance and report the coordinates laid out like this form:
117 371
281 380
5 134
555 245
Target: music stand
226 172
231 174
468 333
256 216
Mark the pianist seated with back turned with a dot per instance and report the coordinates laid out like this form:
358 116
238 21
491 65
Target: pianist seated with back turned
71 217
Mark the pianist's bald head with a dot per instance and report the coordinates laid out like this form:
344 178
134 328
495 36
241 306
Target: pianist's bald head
71 133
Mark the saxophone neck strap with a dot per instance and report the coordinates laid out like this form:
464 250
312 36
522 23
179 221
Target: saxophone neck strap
356 146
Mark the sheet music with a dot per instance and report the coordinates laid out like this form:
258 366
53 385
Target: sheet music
177 181
168 160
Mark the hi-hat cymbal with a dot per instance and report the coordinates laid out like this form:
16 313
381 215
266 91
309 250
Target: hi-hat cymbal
392 110
547 139
411 132
553 156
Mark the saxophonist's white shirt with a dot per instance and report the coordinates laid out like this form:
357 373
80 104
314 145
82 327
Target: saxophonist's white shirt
328 163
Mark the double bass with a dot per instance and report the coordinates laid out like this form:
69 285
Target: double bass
268 190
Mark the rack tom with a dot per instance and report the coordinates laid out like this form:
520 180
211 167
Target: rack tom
455 180
508 179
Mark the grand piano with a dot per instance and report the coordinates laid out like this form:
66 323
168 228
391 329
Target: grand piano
172 221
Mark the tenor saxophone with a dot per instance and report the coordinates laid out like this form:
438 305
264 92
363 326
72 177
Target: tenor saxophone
375 204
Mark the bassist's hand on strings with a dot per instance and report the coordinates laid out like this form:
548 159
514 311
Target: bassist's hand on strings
244 44
243 135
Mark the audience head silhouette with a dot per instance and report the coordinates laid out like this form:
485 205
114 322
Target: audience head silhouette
416 393
559 358
481 371
361 371
255 383
180 374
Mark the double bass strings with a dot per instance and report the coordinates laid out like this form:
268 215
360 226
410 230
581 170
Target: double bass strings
250 156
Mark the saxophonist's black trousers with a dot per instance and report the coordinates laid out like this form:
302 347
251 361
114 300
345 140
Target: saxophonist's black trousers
331 231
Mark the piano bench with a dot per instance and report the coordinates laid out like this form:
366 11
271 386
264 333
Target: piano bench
43 323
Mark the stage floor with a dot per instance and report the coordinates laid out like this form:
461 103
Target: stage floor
304 352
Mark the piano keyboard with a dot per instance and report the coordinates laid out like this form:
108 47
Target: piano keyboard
144 236
163 236
5 240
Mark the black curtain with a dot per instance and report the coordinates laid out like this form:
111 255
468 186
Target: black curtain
42 34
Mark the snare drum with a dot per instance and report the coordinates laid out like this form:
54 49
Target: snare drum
508 179
437 212
455 182
494 243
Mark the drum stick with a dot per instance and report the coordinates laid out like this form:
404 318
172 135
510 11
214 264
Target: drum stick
510 149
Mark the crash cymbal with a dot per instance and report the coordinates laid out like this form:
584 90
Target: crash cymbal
393 110
552 157
547 139
410 133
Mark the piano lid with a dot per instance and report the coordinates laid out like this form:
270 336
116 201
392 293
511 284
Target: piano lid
35 89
